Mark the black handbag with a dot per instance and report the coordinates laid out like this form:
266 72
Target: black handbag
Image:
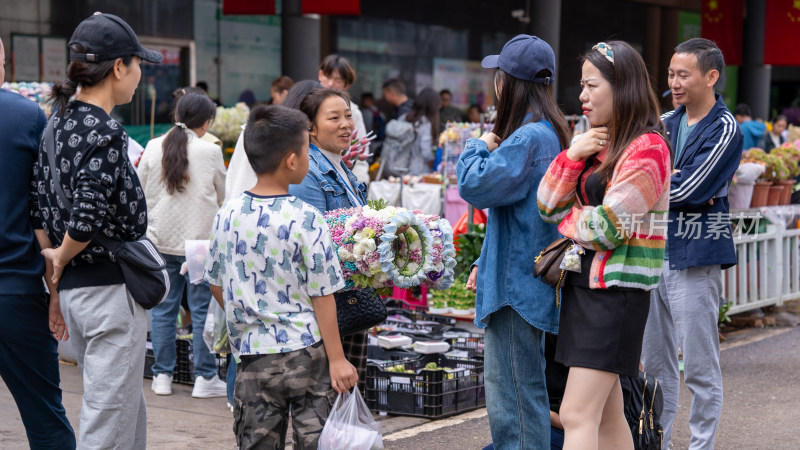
644 403
142 267
358 310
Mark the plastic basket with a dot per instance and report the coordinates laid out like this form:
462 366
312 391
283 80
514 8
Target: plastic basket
426 393
376 353
184 362
397 303
473 344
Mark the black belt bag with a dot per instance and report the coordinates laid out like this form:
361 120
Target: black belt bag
142 267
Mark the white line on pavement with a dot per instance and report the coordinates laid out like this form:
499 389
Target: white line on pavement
432 426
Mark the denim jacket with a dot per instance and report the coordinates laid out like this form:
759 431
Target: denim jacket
323 188
506 181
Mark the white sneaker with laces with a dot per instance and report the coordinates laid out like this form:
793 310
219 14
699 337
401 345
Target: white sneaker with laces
208 388
162 384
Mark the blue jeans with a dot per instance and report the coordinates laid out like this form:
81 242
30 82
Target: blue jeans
230 378
516 393
165 328
29 368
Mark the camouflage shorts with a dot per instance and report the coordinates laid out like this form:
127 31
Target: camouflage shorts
267 386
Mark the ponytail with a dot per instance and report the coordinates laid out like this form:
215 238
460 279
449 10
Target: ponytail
192 111
81 73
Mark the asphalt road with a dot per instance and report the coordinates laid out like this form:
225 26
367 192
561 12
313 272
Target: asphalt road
761 410
761 370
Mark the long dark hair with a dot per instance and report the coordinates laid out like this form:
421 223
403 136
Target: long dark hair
298 92
81 73
426 104
519 97
635 104
192 111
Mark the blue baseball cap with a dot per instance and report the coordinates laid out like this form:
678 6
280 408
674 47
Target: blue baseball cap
523 57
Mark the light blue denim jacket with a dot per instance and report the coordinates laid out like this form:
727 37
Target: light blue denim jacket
323 188
506 181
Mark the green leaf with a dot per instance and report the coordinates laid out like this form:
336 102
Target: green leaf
280 280
273 251
377 204
236 222
249 233
250 264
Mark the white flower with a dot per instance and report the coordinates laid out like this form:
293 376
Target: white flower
345 255
363 246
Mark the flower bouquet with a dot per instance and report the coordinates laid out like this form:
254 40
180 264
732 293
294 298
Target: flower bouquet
227 124
382 246
34 91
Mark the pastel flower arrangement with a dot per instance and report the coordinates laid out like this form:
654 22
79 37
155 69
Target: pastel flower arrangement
384 246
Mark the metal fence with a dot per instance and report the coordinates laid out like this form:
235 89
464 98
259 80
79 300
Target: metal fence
768 269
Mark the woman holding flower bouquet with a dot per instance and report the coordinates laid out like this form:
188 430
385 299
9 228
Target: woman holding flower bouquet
329 184
608 192
501 171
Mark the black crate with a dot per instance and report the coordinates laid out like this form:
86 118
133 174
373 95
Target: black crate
397 303
417 315
426 393
473 344
377 353
184 362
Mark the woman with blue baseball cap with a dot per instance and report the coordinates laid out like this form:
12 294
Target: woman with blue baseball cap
501 171
107 328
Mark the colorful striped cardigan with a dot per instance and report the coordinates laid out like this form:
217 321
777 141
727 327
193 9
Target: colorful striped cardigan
629 229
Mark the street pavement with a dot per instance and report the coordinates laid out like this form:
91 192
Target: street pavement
761 370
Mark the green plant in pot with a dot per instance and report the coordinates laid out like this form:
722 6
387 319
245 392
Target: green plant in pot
458 299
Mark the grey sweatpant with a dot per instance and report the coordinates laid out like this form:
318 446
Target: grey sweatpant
108 331
684 310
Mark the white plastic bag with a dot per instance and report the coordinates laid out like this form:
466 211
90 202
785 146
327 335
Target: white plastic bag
196 253
215 331
350 426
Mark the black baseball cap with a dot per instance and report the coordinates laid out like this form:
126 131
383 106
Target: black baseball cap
107 37
523 57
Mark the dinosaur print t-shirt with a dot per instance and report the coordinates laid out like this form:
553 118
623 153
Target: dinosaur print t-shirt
271 255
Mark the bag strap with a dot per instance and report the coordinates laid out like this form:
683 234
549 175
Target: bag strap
50 149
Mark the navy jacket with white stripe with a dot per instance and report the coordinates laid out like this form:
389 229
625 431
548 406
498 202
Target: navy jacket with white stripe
700 233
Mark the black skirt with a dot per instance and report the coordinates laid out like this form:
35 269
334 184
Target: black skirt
602 329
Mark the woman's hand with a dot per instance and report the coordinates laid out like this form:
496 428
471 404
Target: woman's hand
492 140
57 326
472 281
56 258
593 141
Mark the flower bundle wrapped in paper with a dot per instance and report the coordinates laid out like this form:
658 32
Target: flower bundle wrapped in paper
386 247
358 149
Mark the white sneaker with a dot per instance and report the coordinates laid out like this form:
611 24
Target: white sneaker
204 388
162 384
230 406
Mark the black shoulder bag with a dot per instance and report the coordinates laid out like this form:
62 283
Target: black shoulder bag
142 267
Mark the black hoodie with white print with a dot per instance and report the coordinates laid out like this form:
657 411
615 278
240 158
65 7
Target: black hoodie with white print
97 177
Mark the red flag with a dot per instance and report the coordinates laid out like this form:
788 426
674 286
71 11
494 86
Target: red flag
337 8
782 33
248 7
722 22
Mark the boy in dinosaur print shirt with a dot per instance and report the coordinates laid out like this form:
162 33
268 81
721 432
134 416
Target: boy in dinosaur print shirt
273 268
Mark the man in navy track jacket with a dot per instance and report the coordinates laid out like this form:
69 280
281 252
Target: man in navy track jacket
684 308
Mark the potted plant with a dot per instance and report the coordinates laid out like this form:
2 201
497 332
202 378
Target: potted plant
764 181
458 300
790 156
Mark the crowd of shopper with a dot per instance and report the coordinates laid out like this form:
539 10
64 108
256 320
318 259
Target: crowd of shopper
641 292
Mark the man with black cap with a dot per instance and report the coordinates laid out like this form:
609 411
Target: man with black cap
101 196
28 350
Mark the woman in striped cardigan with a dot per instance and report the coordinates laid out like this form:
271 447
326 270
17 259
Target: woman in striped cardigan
609 193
